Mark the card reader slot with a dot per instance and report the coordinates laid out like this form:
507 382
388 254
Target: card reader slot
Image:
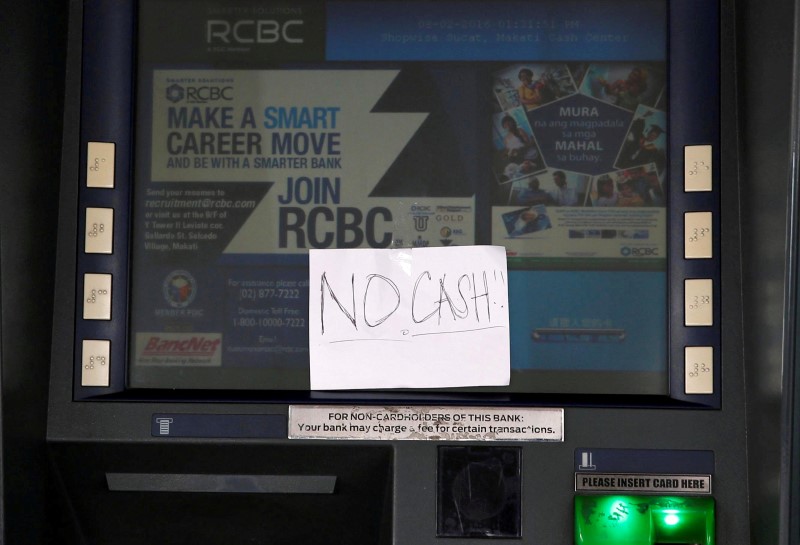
230 484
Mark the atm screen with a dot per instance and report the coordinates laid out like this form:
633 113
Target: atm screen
259 132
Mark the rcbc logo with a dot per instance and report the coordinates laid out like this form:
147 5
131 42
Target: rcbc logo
175 93
252 31
198 95
627 251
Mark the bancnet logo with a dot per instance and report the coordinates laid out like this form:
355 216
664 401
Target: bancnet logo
195 346
179 348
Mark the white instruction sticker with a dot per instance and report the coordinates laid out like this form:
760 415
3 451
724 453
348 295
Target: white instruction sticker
425 423
638 482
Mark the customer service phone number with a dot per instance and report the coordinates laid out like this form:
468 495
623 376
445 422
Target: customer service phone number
269 322
254 294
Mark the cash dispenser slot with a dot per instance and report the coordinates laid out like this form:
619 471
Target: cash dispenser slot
231 484
173 493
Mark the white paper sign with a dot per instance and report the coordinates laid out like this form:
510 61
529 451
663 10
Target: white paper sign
409 318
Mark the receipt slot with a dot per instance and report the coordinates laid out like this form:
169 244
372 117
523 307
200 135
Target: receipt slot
643 520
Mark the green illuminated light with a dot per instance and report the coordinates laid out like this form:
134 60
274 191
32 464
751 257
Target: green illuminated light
643 520
672 519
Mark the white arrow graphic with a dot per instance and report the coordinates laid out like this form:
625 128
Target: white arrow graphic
369 142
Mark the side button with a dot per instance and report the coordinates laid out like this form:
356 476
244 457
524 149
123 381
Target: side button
697 174
699 370
99 237
100 165
95 360
96 296
697 229
699 302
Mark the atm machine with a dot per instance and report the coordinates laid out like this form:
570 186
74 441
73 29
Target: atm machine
351 271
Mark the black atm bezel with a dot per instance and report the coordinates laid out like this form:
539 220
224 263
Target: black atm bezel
106 98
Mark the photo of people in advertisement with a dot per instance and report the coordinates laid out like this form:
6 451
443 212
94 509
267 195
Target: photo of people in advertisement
589 152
